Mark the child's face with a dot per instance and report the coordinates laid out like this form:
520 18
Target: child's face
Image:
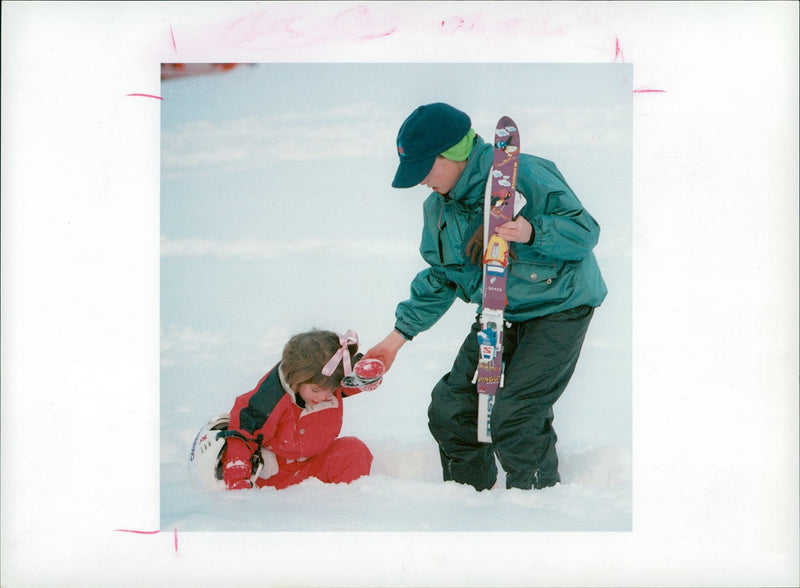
443 175
313 394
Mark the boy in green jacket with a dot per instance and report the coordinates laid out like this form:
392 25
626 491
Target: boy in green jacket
554 284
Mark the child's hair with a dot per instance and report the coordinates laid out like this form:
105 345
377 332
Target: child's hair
306 354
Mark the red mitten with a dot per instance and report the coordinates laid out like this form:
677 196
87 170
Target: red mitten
367 375
236 467
370 370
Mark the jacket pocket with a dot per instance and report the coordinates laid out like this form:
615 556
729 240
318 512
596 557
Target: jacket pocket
534 273
449 249
532 285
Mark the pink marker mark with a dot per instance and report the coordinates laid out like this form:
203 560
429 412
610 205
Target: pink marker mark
361 22
618 54
649 91
503 28
175 534
146 96
452 24
172 36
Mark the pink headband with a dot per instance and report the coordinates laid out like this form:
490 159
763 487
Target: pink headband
341 355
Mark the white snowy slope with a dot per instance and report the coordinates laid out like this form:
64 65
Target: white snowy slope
402 494
241 271
405 491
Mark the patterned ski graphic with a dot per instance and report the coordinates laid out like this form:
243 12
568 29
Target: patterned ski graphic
498 209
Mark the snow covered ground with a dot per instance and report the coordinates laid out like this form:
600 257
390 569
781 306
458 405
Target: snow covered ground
402 494
243 267
405 491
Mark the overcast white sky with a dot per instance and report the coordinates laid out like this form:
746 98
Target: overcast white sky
249 132
274 174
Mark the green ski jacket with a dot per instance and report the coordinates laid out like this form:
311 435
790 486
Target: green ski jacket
556 272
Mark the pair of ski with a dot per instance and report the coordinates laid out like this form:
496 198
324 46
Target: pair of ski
498 209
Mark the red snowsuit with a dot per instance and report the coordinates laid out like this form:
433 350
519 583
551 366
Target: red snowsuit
304 439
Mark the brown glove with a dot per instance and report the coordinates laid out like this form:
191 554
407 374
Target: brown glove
474 247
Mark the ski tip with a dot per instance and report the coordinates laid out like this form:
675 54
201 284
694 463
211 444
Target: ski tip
504 130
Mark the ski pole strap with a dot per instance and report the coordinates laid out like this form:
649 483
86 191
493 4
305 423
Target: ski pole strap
341 355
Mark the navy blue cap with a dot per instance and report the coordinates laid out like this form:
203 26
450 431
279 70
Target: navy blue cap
427 132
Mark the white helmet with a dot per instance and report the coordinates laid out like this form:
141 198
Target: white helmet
205 460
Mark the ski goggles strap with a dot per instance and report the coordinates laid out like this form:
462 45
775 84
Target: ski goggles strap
341 355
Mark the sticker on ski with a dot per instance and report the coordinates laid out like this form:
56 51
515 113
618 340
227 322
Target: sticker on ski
499 208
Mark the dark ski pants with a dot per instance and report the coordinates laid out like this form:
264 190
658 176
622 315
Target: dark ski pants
540 356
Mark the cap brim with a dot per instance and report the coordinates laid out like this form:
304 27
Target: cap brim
411 173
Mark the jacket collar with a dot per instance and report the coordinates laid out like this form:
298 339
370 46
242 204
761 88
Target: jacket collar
299 403
464 193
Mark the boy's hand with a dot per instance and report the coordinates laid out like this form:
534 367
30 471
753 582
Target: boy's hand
518 230
387 349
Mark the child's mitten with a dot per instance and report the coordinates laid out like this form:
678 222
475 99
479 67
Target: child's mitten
367 375
236 468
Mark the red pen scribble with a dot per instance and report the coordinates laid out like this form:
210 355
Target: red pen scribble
618 54
146 96
361 22
286 29
504 28
452 24
172 35
268 29
137 532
